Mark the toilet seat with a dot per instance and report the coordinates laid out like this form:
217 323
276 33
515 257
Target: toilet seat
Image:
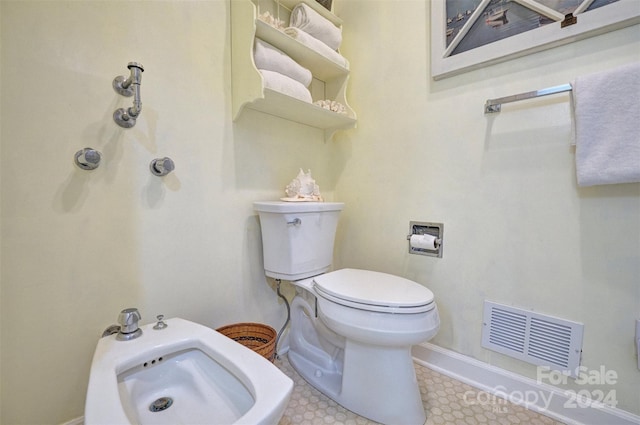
374 291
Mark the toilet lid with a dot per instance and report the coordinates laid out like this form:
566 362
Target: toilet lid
374 291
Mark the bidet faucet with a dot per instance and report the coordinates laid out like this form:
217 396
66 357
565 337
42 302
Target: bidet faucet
128 320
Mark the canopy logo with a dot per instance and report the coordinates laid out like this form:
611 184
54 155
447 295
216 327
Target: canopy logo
589 396
585 397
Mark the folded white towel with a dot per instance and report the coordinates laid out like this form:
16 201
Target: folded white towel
307 19
285 85
271 58
607 126
317 45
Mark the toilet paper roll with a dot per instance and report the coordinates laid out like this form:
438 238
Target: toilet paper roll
423 242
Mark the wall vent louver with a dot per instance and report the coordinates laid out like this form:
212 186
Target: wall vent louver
532 337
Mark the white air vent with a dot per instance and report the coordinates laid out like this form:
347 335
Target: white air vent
535 338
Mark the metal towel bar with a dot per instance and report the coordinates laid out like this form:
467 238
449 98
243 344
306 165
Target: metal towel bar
493 105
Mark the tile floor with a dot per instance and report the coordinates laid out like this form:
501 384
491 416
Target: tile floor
445 400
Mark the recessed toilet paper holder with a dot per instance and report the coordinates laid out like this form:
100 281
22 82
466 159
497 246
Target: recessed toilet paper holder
435 230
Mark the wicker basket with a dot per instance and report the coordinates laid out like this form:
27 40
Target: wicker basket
256 336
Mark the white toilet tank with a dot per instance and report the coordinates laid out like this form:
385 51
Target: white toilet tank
297 237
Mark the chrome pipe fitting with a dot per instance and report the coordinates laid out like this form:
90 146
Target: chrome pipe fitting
128 87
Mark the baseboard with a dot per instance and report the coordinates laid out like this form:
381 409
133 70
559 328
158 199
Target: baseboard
499 383
76 421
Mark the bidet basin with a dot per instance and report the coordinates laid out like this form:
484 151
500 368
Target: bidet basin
185 373
187 387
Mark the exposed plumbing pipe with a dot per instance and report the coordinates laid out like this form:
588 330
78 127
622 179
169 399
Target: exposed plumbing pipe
286 303
129 87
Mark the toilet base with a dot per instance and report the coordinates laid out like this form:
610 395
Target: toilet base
327 382
377 383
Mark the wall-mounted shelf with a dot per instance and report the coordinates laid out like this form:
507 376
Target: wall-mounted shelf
322 68
327 14
281 105
330 78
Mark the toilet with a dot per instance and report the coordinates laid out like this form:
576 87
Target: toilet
351 330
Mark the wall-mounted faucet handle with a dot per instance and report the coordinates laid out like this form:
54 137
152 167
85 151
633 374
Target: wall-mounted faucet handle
162 166
128 320
87 158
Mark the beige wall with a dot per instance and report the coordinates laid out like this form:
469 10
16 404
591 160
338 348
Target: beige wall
79 246
517 228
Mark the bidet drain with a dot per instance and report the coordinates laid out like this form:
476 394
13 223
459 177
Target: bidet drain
163 403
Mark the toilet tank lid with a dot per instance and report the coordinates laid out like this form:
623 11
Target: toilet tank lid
374 288
283 207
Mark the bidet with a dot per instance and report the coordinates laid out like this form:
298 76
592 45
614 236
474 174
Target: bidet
183 373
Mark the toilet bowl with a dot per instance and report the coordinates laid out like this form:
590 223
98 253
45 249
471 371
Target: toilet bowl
351 330
356 349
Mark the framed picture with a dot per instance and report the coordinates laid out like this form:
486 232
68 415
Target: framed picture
326 4
469 34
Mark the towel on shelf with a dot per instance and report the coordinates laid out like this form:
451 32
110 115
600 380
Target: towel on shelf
271 58
316 45
314 24
285 85
607 126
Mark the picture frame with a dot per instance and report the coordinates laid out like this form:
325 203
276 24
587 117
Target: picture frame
450 56
326 4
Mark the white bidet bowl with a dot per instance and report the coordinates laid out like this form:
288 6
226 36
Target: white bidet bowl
185 373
